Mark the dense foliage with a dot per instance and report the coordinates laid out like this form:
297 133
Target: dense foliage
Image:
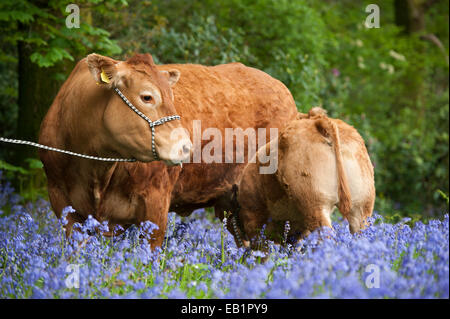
392 85
199 259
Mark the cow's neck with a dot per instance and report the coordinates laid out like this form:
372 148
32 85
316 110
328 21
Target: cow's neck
90 181
87 136
101 180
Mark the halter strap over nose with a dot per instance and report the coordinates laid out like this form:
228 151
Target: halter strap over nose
150 122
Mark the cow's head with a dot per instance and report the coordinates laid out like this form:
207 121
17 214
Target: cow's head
150 91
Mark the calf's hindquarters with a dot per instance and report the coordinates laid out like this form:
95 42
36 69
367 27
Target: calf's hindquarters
309 184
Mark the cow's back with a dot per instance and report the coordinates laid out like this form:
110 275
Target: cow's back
230 95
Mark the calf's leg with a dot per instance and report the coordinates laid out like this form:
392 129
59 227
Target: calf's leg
359 213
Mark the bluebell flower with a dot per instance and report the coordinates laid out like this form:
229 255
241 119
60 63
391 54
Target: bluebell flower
412 260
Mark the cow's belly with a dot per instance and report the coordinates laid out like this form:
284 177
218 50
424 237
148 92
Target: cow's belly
118 208
201 185
115 205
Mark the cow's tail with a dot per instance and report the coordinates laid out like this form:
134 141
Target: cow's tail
327 128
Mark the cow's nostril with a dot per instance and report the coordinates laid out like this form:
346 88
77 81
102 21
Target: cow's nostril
186 148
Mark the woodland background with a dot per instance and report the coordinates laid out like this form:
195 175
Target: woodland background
391 82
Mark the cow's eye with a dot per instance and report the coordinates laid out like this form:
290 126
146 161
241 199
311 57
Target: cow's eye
147 98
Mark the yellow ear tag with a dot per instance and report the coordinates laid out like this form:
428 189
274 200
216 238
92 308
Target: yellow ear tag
104 77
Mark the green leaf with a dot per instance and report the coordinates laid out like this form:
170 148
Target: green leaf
11 168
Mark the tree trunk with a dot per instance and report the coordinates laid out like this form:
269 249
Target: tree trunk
410 14
37 89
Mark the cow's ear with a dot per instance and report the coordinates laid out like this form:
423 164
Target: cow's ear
103 69
172 76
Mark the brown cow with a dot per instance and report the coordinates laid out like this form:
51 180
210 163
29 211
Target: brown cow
322 163
88 117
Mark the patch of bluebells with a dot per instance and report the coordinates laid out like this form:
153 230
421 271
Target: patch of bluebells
199 259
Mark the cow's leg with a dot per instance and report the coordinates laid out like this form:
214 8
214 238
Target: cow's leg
315 216
253 223
157 237
73 218
221 207
357 218
315 219
57 198
156 211
59 201
368 209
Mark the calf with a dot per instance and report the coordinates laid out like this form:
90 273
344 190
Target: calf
322 164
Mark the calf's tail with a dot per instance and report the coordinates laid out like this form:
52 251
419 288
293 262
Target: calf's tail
330 130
